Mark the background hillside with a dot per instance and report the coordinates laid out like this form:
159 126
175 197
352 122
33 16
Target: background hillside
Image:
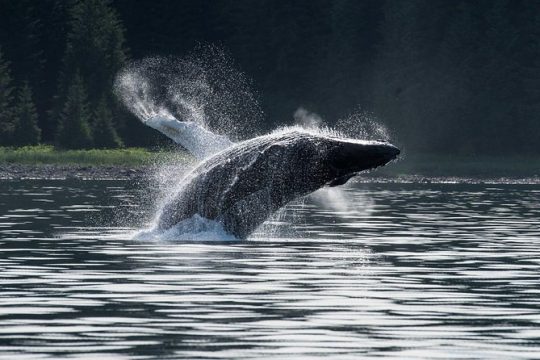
453 77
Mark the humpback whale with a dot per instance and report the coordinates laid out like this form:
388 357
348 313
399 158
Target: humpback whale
243 184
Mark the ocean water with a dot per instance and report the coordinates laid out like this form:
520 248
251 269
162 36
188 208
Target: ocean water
423 271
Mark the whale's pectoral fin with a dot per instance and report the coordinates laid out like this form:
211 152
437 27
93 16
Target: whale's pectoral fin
168 126
195 138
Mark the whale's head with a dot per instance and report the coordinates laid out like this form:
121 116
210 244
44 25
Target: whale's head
346 158
316 160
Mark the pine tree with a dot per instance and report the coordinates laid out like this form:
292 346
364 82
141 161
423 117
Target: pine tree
20 35
74 129
95 47
103 132
52 40
26 131
96 51
6 111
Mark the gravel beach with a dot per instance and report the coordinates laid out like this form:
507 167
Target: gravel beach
78 172
62 172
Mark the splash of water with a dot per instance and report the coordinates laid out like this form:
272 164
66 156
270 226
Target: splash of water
202 102
204 88
195 228
307 119
362 124
359 124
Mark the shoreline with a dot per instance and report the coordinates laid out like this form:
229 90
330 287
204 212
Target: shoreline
123 172
71 172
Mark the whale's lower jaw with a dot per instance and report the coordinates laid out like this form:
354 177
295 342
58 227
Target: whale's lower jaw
243 185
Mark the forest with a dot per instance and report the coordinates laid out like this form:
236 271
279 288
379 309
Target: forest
454 77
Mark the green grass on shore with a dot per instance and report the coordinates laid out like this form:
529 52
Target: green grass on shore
46 154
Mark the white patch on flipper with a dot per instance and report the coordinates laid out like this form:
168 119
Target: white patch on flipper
196 139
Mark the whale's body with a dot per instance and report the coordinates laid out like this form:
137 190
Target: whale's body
241 186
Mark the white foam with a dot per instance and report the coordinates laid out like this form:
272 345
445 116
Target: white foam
196 228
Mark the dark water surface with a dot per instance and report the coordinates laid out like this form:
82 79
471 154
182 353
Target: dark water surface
400 271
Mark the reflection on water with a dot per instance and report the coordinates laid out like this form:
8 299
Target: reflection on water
430 271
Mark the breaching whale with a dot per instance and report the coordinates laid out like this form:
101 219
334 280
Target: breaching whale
241 186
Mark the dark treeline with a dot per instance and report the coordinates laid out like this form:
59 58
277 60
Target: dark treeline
445 76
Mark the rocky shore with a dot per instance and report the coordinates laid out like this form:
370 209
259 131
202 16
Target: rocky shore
63 172
78 172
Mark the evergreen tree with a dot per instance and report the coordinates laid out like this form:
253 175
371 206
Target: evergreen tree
6 111
103 131
95 47
53 15
74 129
21 40
26 131
96 51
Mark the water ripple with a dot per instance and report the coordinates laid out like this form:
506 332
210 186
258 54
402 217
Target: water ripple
431 271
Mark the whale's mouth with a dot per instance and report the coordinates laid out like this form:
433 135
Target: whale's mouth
350 158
